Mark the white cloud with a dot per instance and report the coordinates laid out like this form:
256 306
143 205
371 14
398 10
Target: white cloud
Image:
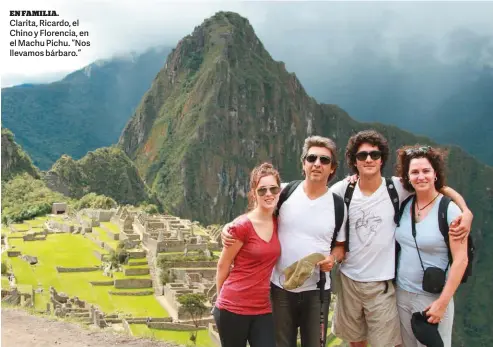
295 32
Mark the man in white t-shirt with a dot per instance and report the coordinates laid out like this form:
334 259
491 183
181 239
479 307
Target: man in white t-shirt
307 221
366 305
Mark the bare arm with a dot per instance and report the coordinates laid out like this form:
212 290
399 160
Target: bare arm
461 227
337 253
459 255
228 254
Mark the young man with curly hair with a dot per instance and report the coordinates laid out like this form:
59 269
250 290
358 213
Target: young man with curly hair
366 307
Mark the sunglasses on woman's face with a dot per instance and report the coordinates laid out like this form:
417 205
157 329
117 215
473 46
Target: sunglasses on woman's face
374 155
325 160
273 190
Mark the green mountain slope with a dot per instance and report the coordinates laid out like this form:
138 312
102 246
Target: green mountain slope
86 110
106 171
222 105
14 160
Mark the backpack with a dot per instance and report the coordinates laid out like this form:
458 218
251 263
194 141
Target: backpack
338 207
394 197
444 229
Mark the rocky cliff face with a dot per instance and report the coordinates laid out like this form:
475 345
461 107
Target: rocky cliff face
222 105
106 171
14 159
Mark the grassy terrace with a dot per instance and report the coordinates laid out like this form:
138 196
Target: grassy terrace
70 250
111 227
101 234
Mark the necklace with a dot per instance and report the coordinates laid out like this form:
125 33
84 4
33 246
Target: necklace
428 204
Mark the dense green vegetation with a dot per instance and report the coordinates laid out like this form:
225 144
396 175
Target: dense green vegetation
106 171
86 110
198 132
25 197
14 159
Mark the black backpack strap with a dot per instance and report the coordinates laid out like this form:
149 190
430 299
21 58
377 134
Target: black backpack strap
348 195
394 197
401 210
339 217
443 223
397 245
285 194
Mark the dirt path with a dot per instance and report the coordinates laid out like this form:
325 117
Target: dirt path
19 328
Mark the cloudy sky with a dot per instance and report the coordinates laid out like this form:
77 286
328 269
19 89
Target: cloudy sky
298 33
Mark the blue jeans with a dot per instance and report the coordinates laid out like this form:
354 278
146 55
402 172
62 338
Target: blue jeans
298 310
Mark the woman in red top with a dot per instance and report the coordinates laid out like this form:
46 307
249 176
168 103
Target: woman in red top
243 311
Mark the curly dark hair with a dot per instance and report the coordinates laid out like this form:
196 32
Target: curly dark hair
435 156
263 170
371 137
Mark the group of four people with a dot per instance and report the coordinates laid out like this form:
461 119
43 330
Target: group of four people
376 298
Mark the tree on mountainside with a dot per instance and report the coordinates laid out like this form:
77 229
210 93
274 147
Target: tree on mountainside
194 305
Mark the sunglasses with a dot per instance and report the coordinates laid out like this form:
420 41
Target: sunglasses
419 150
325 160
273 190
364 154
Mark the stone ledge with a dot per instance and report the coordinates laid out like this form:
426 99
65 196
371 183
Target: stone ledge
133 283
102 283
136 271
76 269
142 293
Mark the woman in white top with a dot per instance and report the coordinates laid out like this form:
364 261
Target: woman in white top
423 246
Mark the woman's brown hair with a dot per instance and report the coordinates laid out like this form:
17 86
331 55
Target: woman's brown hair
435 156
263 170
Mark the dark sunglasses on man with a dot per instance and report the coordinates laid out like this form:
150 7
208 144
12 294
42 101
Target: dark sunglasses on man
325 160
374 155
273 190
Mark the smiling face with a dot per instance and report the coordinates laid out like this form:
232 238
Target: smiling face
421 174
267 192
317 164
368 160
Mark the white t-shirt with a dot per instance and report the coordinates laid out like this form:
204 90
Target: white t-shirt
371 255
432 246
305 227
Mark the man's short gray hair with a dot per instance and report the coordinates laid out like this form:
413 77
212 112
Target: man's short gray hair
319 141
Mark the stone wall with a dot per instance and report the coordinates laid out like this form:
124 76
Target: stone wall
102 283
174 326
181 274
143 320
140 293
129 236
132 283
66 228
191 264
77 269
41 236
154 246
135 271
179 246
137 254
100 256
